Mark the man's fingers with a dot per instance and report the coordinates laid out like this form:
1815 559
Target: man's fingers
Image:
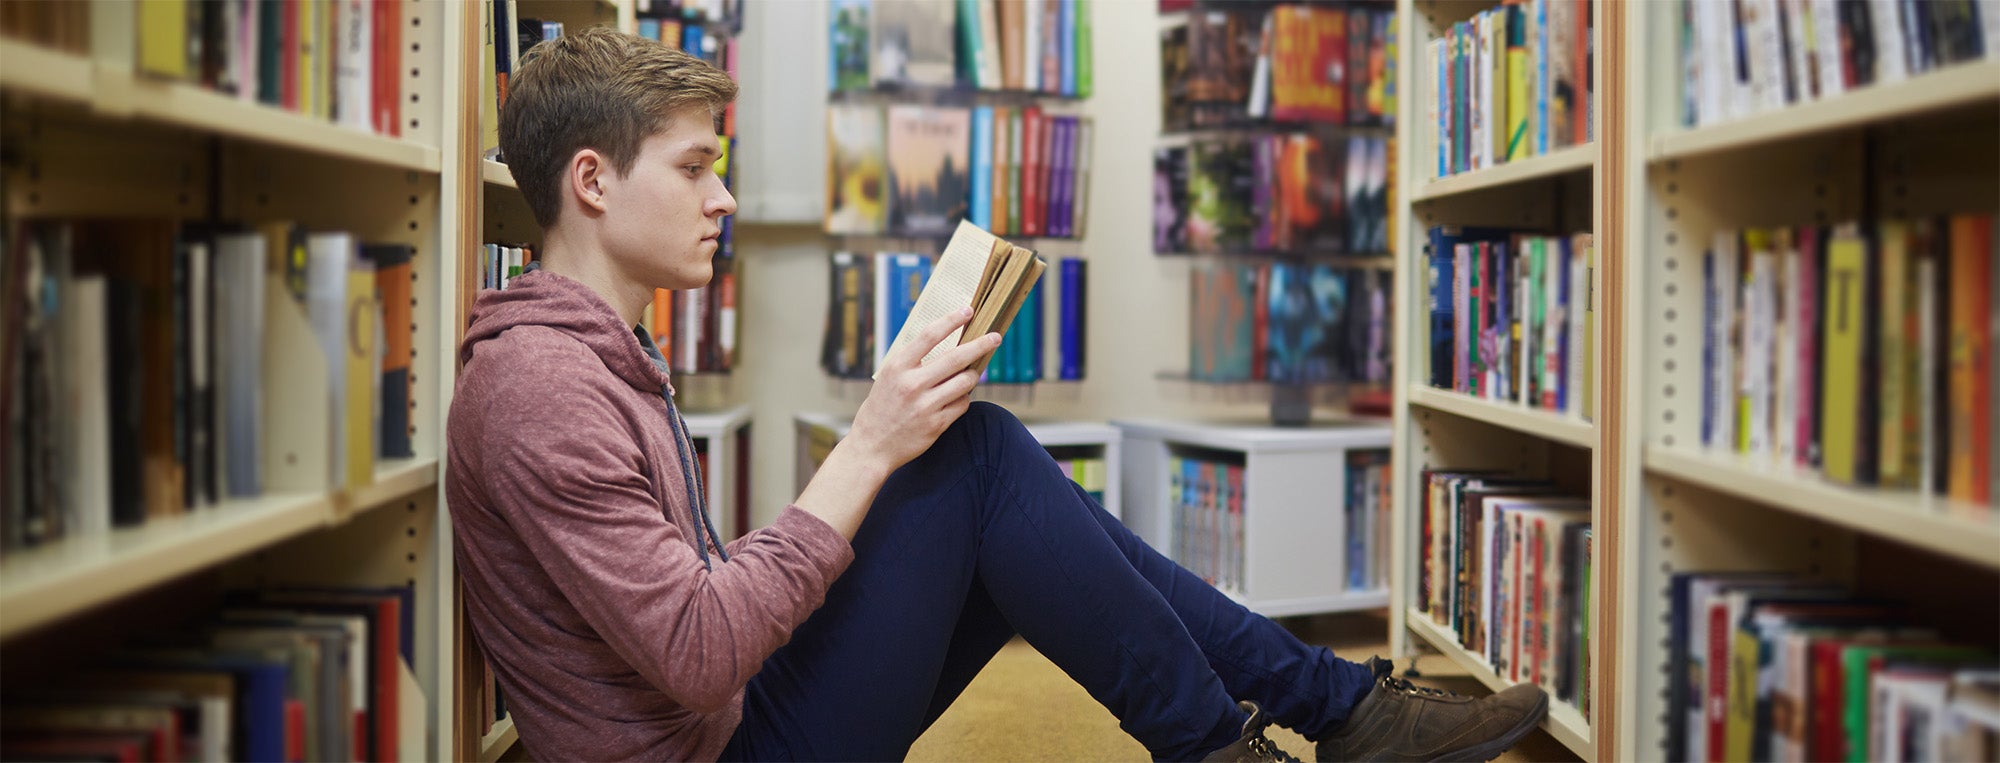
929 337
957 359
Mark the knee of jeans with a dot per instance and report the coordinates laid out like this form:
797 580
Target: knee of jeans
992 427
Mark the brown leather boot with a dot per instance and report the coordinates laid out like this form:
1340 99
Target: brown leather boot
1252 746
1400 721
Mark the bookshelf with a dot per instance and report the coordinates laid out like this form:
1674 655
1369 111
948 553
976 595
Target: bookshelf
941 112
1285 551
817 433
1551 192
722 438
1900 149
1546 425
499 741
91 137
1669 499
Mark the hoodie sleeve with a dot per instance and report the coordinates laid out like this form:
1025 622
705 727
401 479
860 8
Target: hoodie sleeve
568 478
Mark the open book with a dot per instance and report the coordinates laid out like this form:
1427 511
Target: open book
978 269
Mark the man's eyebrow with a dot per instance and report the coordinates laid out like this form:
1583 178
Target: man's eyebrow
702 149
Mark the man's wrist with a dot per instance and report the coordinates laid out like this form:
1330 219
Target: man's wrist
859 459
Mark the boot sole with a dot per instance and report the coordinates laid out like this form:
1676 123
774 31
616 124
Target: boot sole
1492 749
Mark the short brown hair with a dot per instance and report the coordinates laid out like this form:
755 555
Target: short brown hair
600 89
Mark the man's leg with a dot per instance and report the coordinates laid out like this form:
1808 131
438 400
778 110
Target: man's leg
980 536
1304 688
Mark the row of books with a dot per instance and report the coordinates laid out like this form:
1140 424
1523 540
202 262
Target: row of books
154 351
697 329
1506 567
1084 465
1739 59
1511 316
1288 63
1368 520
917 170
1040 46
500 264
337 60
1291 322
871 296
1275 193
281 674
1864 351
1207 491
1511 83
1783 667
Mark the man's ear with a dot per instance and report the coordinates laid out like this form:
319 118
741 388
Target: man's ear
588 176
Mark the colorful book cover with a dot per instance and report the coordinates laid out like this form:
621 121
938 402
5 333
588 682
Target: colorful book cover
1306 82
1170 200
857 178
929 158
848 50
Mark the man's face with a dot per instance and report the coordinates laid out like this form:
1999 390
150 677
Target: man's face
665 219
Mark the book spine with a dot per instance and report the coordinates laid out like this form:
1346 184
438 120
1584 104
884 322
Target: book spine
982 167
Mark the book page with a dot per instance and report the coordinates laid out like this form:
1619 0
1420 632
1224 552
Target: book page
951 286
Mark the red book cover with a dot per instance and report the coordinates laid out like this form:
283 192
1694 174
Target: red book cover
1514 596
1580 74
1308 81
295 730
387 89
1715 700
1260 322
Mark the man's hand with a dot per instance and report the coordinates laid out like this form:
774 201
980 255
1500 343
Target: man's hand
910 405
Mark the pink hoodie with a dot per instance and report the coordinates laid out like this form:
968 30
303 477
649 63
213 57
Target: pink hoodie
572 532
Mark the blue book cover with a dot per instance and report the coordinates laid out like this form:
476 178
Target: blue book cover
1037 322
649 28
692 37
1072 318
981 175
1440 275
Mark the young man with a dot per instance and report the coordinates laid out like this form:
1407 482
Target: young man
620 627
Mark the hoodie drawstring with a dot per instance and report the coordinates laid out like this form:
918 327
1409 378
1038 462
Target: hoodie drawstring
684 448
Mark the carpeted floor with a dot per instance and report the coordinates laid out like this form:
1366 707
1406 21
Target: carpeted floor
1023 708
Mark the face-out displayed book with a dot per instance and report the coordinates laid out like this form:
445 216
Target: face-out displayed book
857 185
930 156
913 41
979 269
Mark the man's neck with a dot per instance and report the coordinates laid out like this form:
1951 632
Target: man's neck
583 261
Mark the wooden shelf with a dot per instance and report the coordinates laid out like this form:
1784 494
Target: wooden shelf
498 741
112 93
1545 424
1928 522
1564 722
47 72
495 173
1563 161
1350 601
1945 87
44 584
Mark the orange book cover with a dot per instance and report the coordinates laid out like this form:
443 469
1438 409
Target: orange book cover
1971 382
663 321
1307 64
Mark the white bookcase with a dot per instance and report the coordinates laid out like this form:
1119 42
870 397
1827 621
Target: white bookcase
817 432
723 439
1294 518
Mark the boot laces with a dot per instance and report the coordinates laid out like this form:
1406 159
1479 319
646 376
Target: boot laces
1263 746
1404 686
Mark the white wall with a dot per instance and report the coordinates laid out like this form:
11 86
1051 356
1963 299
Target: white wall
1138 302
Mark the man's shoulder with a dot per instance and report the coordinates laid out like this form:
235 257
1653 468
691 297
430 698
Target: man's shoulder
531 364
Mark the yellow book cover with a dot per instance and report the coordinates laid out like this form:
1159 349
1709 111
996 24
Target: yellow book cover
1740 729
163 47
1518 76
1846 269
364 319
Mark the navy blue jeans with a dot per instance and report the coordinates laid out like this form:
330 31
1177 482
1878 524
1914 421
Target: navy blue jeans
983 537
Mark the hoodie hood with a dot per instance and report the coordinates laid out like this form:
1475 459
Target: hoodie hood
545 299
